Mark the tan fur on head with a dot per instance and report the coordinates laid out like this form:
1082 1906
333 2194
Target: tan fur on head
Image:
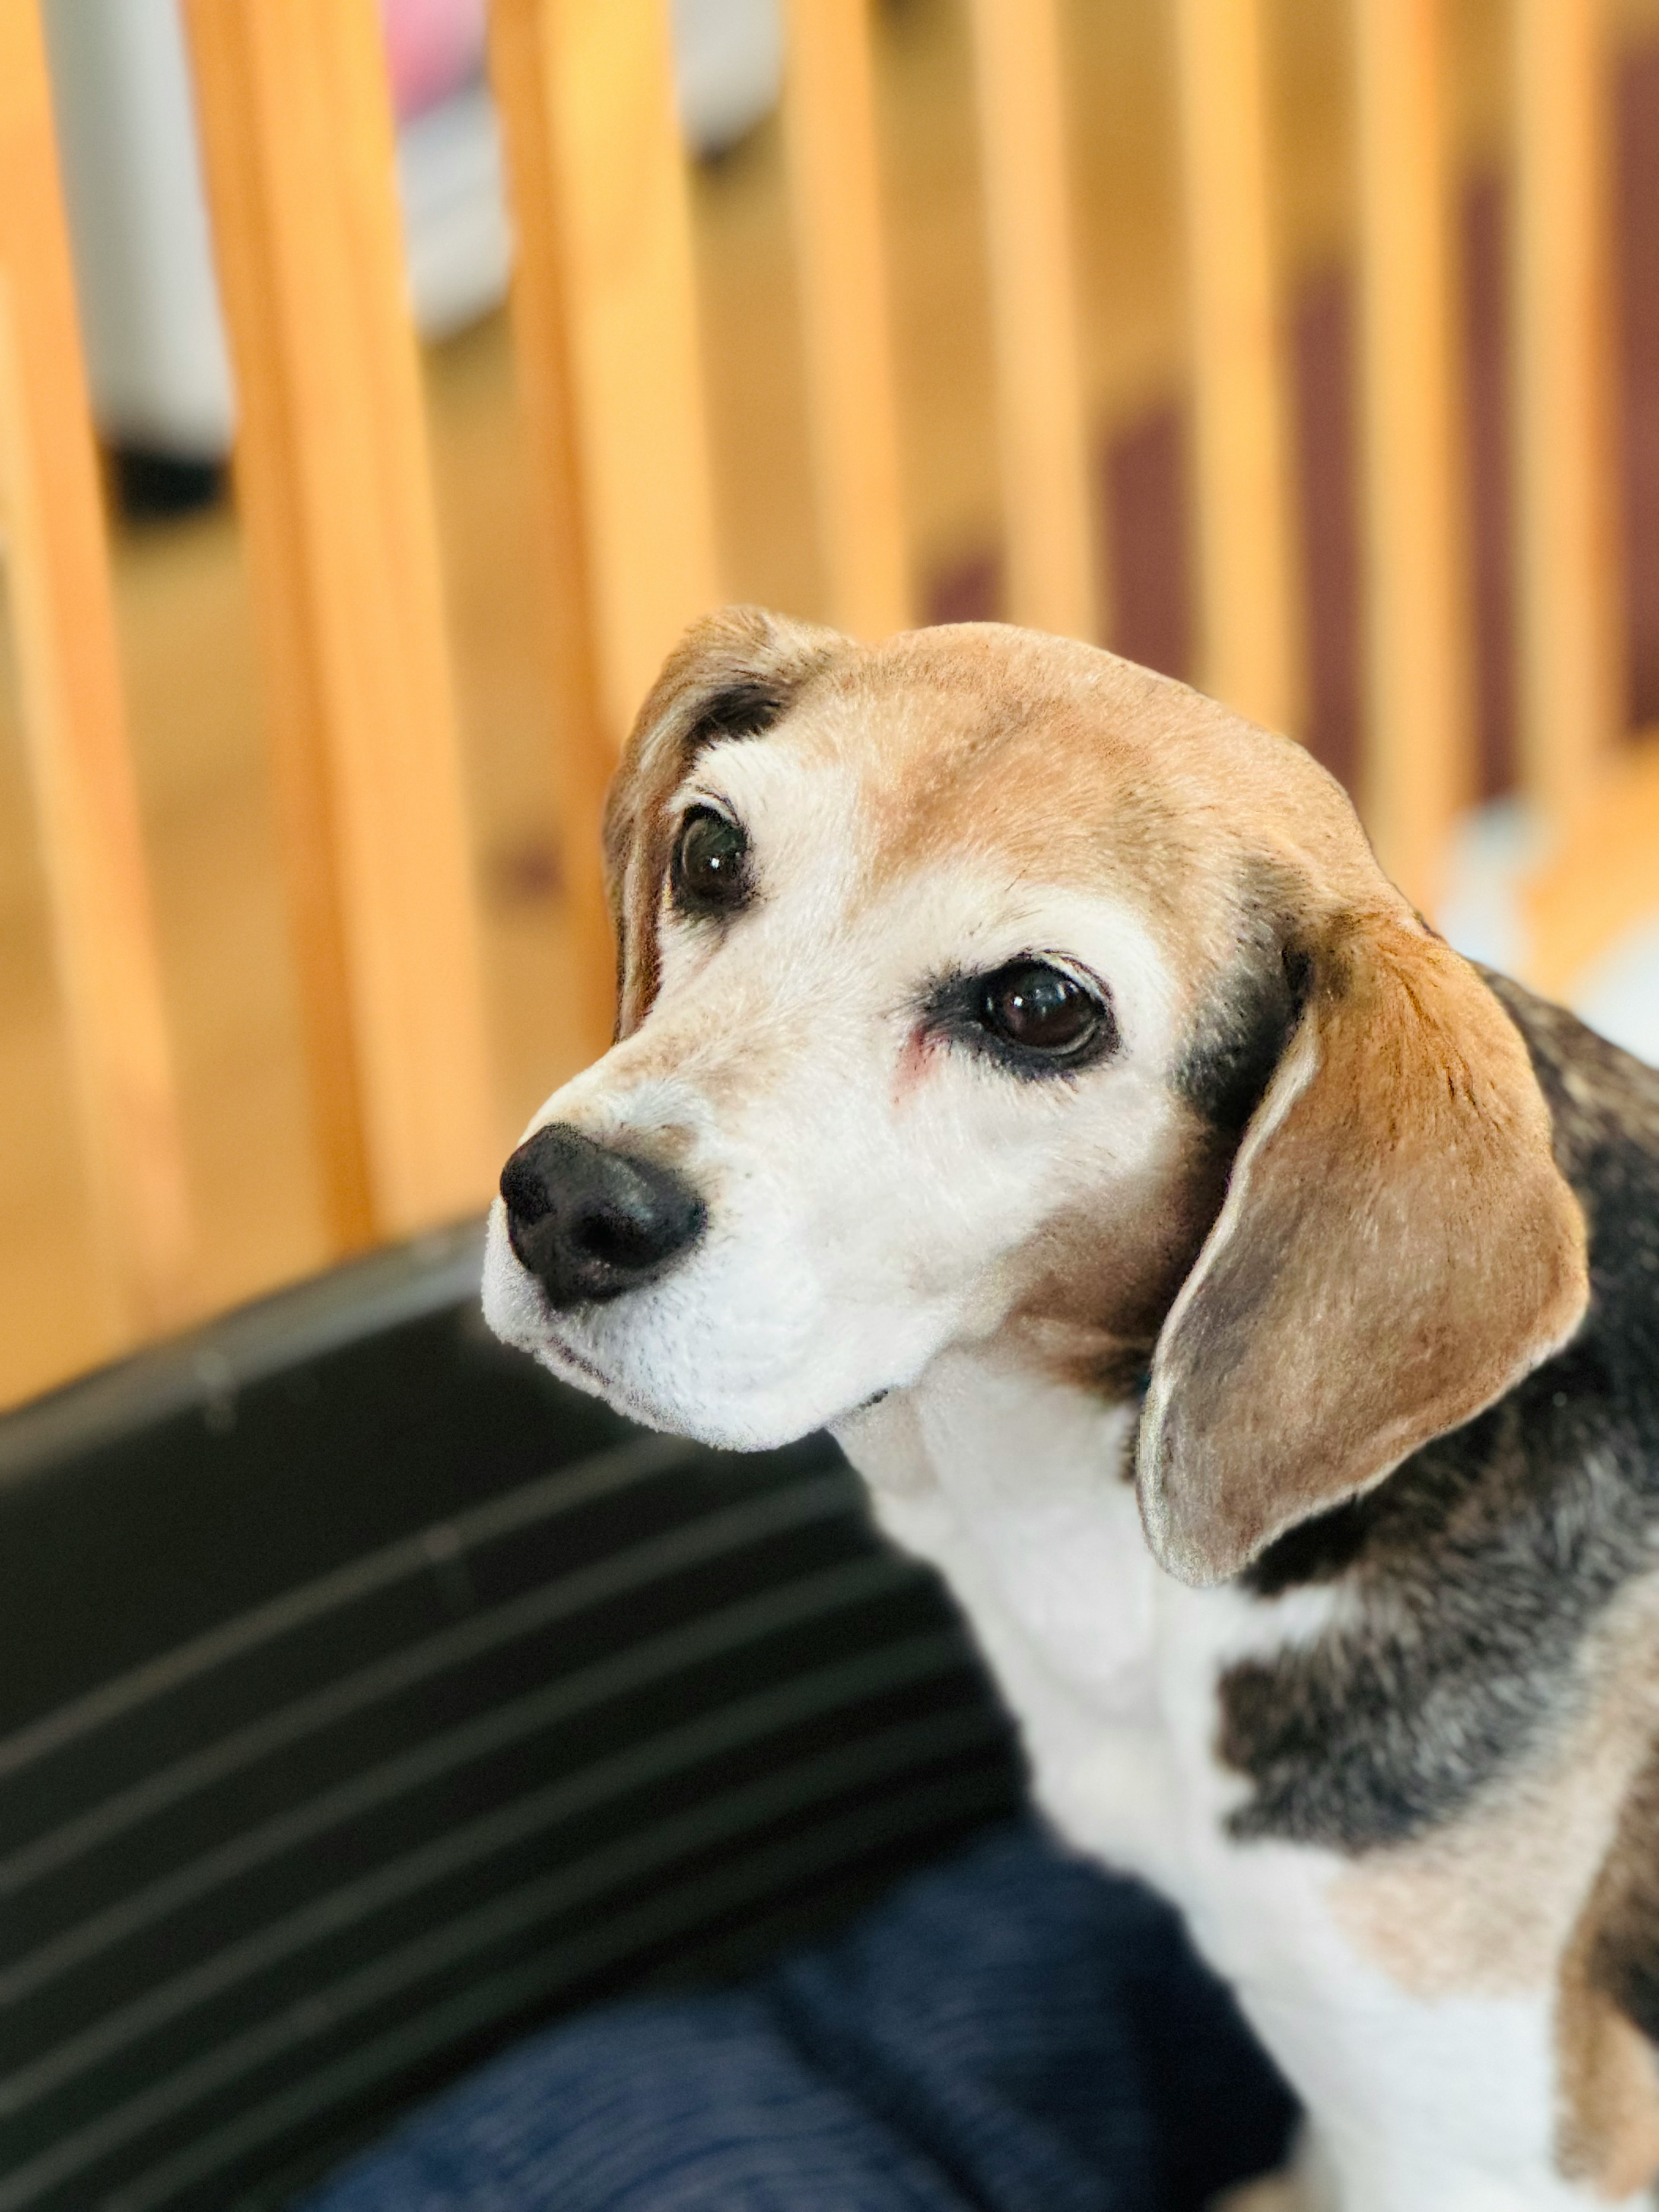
1397 1249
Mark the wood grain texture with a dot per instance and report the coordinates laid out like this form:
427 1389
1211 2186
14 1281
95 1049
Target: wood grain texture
91 841
333 483
1042 420
1416 769
593 134
836 205
1246 652
1566 569
582 743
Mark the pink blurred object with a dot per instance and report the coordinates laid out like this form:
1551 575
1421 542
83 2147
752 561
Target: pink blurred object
432 48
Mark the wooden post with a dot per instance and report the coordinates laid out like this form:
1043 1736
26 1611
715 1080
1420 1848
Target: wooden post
57 569
602 212
1417 770
1042 418
1246 655
1567 597
583 744
336 498
836 200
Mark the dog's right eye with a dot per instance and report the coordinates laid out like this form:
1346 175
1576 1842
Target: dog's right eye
710 872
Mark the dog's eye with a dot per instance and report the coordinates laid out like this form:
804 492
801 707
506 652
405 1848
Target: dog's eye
1043 1010
710 872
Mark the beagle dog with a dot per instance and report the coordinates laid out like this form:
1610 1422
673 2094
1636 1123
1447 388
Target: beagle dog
1024 1069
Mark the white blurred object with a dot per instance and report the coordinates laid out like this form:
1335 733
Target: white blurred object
455 225
728 68
1481 915
149 303
149 306
1619 993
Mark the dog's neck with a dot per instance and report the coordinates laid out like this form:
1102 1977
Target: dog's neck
1016 1486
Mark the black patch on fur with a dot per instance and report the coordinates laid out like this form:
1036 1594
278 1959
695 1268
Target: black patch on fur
743 710
1240 1036
1475 1571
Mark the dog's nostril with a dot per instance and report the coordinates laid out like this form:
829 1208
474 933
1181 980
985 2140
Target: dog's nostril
616 1238
590 1222
524 1188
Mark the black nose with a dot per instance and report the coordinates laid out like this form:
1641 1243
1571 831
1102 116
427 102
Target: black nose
591 1223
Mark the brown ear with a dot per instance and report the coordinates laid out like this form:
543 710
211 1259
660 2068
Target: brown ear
732 675
1396 1249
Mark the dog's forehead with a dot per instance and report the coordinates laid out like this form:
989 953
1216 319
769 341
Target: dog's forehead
996 753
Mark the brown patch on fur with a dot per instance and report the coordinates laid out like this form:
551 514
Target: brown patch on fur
1609 2134
1061 761
1487 1905
1101 1291
1608 2010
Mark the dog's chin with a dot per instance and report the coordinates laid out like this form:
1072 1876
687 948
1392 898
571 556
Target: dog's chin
729 1427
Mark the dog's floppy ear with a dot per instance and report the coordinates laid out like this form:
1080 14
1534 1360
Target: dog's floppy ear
1397 1248
730 676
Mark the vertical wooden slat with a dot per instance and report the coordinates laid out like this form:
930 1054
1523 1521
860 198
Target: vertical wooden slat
336 498
57 566
583 753
1418 770
1567 595
836 201
1246 648
600 195
1042 419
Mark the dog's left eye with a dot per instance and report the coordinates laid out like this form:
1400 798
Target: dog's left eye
1041 1009
710 874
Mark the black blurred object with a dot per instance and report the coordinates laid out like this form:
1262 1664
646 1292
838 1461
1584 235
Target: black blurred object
370 1699
154 487
1012 2031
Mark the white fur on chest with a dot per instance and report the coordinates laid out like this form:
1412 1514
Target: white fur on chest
1016 1489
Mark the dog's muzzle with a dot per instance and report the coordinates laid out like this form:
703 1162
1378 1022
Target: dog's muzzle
590 1222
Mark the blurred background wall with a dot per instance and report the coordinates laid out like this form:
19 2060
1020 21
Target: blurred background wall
166 408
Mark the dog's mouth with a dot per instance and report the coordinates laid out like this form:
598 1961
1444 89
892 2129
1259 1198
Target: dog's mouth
577 1367
571 1357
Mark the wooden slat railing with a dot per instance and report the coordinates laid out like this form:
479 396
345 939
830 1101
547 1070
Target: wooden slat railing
336 504
853 408
91 846
1043 432
1567 595
1416 769
1246 622
1597 801
582 745
587 105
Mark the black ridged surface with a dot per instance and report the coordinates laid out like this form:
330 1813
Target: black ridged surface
369 1699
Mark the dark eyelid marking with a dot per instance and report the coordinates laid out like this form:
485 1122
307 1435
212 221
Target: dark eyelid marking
950 1008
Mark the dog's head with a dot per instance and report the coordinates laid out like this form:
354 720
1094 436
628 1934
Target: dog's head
981 982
